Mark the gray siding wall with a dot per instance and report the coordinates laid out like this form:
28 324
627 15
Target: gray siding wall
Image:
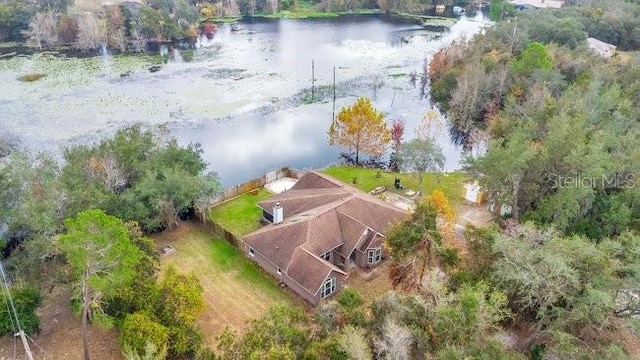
361 259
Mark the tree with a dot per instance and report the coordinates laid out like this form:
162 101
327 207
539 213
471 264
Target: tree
505 167
361 129
354 342
448 214
180 298
157 24
32 206
397 133
68 29
567 283
498 9
138 331
26 300
534 57
115 29
414 245
420 155
43 30
396 341
280 333
103 258
135 177
15 16
180 302
90 33
471 312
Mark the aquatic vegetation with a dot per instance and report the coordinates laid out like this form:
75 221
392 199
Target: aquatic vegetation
31 77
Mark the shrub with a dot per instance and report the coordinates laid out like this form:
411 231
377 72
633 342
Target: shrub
138 330
26 300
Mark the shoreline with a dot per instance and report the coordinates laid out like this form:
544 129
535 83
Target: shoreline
431 23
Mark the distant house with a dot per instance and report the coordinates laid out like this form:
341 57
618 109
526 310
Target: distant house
601 48
318 230
536 4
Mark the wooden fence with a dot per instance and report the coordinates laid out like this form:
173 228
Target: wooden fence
219 231
238 190
254 184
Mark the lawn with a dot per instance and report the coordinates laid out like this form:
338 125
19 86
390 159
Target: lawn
241 215
368 179
308 10
235 289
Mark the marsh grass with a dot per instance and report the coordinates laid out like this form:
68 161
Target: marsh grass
31 77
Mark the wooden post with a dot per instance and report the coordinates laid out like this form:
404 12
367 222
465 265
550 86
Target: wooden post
313 80
334 94
25 343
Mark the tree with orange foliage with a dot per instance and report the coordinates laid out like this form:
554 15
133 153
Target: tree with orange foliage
361 129
448 214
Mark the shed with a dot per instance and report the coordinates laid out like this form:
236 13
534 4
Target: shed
473 193
601 48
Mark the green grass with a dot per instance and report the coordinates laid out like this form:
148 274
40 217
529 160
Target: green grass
8 44
227 19
368 179
241 215
308 10
235 289
227 258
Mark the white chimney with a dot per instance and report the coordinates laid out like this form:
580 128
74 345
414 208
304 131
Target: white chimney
278 214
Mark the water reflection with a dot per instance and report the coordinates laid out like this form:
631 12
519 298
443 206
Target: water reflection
245 95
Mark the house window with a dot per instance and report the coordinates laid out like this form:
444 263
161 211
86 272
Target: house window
329 287
252 252
326 256
374 255
279 271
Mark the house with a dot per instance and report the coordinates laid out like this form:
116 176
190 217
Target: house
319 230
536 4
601 48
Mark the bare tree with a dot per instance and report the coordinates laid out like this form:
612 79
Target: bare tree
43 30
272 5
396 341
108 170
354 342
138 40
90 33
114 24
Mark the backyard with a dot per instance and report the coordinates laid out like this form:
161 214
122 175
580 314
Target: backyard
368 179
235 289
241 215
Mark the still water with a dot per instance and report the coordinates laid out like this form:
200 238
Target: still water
245 96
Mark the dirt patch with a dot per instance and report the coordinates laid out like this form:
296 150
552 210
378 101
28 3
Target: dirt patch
371 284
60 334
625 337
398 201
474 214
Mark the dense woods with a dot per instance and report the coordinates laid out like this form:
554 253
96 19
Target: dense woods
132 25
565 297
84 222
562 120
557 278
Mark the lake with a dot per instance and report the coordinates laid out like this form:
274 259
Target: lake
245 96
